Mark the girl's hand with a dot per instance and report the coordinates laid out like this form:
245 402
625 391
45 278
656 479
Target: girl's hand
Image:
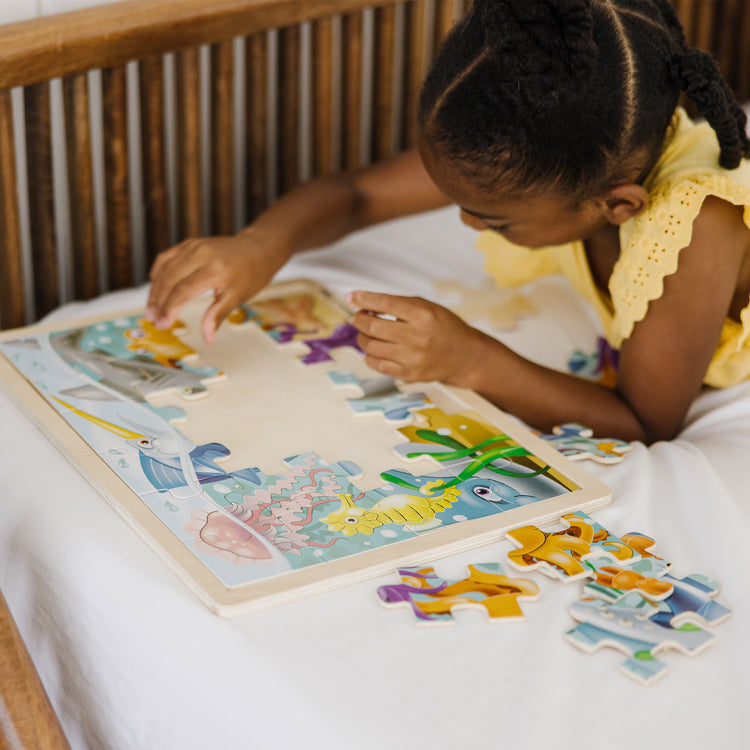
235 268
423 342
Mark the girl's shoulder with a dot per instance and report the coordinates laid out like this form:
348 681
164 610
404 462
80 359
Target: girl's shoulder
650 243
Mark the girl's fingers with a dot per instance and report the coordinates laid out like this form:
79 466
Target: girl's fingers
402 308
379 328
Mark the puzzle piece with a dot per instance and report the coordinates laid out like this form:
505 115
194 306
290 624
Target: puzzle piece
600 366
577 443
379 395
629 626
432 598
499 307
303 317
129 356
561 554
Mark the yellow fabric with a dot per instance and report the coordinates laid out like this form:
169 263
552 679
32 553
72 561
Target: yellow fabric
650 243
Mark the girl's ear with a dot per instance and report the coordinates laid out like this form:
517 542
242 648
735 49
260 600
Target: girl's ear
622 202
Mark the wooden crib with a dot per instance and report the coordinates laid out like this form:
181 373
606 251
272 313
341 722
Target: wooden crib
127 127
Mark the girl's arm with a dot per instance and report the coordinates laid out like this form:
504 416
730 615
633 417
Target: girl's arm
662 364
314 214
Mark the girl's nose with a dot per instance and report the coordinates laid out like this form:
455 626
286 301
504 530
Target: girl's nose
472 221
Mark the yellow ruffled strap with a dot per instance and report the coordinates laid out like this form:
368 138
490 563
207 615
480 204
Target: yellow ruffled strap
650 243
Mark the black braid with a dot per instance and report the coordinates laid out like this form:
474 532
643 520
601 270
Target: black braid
565 92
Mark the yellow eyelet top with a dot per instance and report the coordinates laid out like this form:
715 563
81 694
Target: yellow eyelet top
687 172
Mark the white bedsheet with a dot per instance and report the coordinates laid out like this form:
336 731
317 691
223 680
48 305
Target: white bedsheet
133 661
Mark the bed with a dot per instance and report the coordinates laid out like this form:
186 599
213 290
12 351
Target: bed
126 654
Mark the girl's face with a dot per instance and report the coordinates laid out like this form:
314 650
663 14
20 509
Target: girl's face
539 219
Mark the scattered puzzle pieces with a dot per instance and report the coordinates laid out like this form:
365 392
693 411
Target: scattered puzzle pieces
500 307
577 443
433 598
561 554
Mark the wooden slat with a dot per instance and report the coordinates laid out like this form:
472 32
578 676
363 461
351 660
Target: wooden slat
115 33
686 12
384 83
445 17
222 138
322 54
742 63
117 197
414 70
256 71
153 155
189 142
705 24
29 721
351 42
41 201
85 259
288 154
12 306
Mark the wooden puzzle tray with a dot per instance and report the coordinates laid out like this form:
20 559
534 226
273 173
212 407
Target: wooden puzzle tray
275 464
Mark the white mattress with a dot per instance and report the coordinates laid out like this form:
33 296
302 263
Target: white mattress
133 661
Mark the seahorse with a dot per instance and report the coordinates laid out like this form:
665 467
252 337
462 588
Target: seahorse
350 519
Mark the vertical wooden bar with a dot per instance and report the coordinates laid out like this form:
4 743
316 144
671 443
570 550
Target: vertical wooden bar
256 74
289 86
742 62
117 197
383 83
414 68
85 258
705 24
445 17
322 53
189 142
351 89
41 200
12 305
29 720
153 155
222 137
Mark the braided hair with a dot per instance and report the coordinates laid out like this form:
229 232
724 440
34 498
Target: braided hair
566 93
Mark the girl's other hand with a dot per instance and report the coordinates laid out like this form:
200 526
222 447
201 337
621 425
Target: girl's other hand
418 340
235 268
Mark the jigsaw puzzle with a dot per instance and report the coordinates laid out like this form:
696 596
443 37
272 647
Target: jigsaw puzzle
578 443
254 479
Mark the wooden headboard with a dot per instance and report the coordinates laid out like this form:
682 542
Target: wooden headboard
127 127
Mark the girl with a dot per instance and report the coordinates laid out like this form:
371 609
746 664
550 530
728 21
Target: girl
554 127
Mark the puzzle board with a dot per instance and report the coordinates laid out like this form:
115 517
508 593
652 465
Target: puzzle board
274 464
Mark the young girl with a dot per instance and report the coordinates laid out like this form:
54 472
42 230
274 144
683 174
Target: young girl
554 127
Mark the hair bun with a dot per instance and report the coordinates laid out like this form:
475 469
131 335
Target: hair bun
555 35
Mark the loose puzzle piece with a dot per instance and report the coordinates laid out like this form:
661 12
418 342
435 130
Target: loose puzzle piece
637 607
561 554
578 442
379 395
601 366
130 356
499 307
433 598
301 317
629 626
